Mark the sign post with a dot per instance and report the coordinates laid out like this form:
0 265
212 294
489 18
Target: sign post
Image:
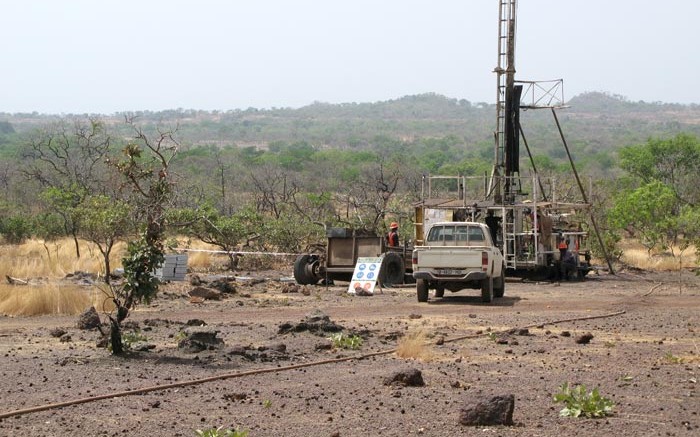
364 278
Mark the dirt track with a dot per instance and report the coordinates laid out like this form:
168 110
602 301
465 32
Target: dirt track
647 360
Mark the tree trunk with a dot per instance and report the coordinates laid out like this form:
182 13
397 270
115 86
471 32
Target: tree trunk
115 337
77 246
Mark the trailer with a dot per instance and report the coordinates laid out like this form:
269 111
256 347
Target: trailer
336 261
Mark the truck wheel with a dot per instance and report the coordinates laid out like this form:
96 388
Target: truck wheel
499 284
392 270
422 290
304 269
439 291
487 290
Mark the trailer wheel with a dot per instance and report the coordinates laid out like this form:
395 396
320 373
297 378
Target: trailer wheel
422 290
392 270
305 269
439 291
499 284
487 290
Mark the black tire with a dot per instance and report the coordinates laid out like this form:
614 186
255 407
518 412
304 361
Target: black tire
422 290
392 270
499 284
303 270
487 290
439 291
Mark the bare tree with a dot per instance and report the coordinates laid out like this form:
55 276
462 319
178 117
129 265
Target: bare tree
69 159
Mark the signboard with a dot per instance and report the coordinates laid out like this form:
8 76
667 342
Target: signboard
364 278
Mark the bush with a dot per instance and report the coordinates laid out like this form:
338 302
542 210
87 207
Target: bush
15 229
580 402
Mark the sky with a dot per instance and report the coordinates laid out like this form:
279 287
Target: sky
107 56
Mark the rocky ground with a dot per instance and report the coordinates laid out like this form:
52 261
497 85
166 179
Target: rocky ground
260 360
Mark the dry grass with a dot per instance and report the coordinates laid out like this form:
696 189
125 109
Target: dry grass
32 300
636 255
37 258
414 345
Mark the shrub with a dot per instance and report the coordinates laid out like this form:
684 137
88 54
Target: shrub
218 432
343 341
580 402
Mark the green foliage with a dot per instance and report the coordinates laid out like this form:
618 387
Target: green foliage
132 337
140 263
49 226
650 210
267 403
16 228
220 432
578 401
102 219
343 341
673 359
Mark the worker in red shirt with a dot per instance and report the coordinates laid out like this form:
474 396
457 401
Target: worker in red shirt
392 237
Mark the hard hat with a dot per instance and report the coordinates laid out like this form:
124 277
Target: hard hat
394 225
563 245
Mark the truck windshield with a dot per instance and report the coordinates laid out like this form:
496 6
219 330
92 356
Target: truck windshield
463 233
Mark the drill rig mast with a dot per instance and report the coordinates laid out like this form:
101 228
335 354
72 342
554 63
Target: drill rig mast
535 220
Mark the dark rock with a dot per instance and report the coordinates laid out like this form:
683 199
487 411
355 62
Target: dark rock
205 293
223 285
65 338
131 324
290 288
523 331
195 281
102 342
485 410
316 323
414 316
407 378
198 340
565 334
323 347
278 347
57 332
196 322
238 350
235 396
142 346
584 338
89 319
440 341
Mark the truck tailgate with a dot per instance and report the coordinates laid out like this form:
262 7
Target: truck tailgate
452 257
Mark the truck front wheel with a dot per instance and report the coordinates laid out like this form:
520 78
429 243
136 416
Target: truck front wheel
487 290
422 290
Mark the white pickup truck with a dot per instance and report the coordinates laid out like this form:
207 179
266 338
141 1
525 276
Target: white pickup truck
455 256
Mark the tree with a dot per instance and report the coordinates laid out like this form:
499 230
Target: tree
103 221
227 232
145 171
661 197
649 212
675 162
69 162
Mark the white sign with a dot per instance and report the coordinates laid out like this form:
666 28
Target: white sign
364 278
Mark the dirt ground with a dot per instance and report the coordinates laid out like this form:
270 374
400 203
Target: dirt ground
644 355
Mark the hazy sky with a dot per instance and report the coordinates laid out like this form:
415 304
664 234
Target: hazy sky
105 56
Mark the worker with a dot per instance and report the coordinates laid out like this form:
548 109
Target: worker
392 237
494 224
567 262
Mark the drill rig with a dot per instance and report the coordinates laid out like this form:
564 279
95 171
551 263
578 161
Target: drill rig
531 217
